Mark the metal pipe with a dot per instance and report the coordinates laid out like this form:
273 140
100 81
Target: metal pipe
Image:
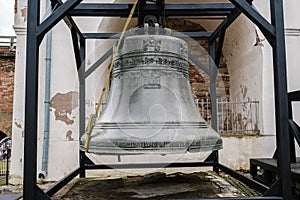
44 169
222 116
236 115
232 117
251 110
256 116
217 102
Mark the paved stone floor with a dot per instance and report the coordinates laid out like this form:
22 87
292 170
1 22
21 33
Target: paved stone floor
156 185
10 192
9 196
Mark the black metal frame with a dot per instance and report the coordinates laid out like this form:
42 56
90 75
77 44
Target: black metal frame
36 30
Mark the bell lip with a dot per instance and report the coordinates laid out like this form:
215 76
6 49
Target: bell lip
147 125
155 145
113 150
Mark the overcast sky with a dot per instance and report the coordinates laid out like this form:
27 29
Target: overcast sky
6 17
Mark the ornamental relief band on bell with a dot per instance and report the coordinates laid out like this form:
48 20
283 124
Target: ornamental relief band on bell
151 77
157 61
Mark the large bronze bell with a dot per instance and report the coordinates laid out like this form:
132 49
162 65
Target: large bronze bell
150 107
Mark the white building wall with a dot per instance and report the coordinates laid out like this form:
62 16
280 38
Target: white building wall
292 33
63 140
244 61
19 90
292 28
293 44
18 114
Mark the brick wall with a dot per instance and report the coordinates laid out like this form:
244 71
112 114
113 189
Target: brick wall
199 80
7 69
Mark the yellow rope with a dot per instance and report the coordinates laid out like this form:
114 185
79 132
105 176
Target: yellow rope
169 25
94 116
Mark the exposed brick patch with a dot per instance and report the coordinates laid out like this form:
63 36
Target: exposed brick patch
16 6
199 80
63 105
7 71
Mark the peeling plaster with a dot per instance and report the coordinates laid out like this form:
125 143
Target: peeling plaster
69 135
63 105
16 6
18 125
244 90
24 13
259 41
